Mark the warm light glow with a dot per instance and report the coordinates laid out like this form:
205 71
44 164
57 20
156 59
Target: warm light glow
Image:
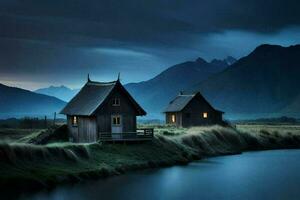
205 115
74 120
173 118
116 120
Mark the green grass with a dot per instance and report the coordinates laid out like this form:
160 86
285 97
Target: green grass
64 162
283 129
30 136
15 135
49 164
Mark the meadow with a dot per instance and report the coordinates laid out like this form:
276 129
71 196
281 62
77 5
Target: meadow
30 163
10 135
272 128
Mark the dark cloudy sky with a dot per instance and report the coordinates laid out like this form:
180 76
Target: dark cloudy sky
54 42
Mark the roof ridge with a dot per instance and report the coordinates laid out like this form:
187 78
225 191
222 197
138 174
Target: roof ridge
179 102
101 83
186 95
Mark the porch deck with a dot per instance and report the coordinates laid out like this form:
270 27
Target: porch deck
140 135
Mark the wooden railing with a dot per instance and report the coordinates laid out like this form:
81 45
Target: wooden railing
140 134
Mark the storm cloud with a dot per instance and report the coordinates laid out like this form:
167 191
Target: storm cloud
60 41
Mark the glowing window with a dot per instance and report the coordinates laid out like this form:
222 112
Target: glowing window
205 115
74 121
173 118
116 102
116 120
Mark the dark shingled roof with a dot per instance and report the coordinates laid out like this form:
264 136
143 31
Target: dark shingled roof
91 96
179 103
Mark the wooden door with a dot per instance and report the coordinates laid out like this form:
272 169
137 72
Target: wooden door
116 126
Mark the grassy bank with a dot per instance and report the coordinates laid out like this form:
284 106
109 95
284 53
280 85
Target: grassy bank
27 166
9 135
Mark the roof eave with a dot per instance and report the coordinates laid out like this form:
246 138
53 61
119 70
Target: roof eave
171 111
62 110
144 114
220 111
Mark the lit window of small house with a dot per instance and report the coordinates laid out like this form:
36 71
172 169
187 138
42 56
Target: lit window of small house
74 121
116 120
173 118
116 102
205 115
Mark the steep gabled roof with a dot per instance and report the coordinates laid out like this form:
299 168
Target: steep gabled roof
182 100
179 103
92 95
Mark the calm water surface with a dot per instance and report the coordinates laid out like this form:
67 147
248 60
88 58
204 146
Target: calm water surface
255 175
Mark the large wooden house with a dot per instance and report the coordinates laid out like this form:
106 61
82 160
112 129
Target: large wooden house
192 110
104 111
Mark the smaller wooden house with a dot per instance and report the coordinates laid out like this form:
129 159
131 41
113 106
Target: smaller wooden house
104 111
192 110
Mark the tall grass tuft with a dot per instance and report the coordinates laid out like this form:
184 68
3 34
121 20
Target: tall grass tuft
26 153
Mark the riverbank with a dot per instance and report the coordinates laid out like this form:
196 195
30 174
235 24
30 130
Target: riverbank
27 167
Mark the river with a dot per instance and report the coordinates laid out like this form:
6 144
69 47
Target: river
252 175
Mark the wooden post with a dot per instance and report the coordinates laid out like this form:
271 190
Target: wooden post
45 122
54 119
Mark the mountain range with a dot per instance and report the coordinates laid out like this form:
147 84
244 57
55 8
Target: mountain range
164 86
62 92
229 60
264 83
16 102
156 93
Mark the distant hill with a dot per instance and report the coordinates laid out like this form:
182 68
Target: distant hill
156 93
263 84
230 60
61 92
293 107
16 102
273 121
